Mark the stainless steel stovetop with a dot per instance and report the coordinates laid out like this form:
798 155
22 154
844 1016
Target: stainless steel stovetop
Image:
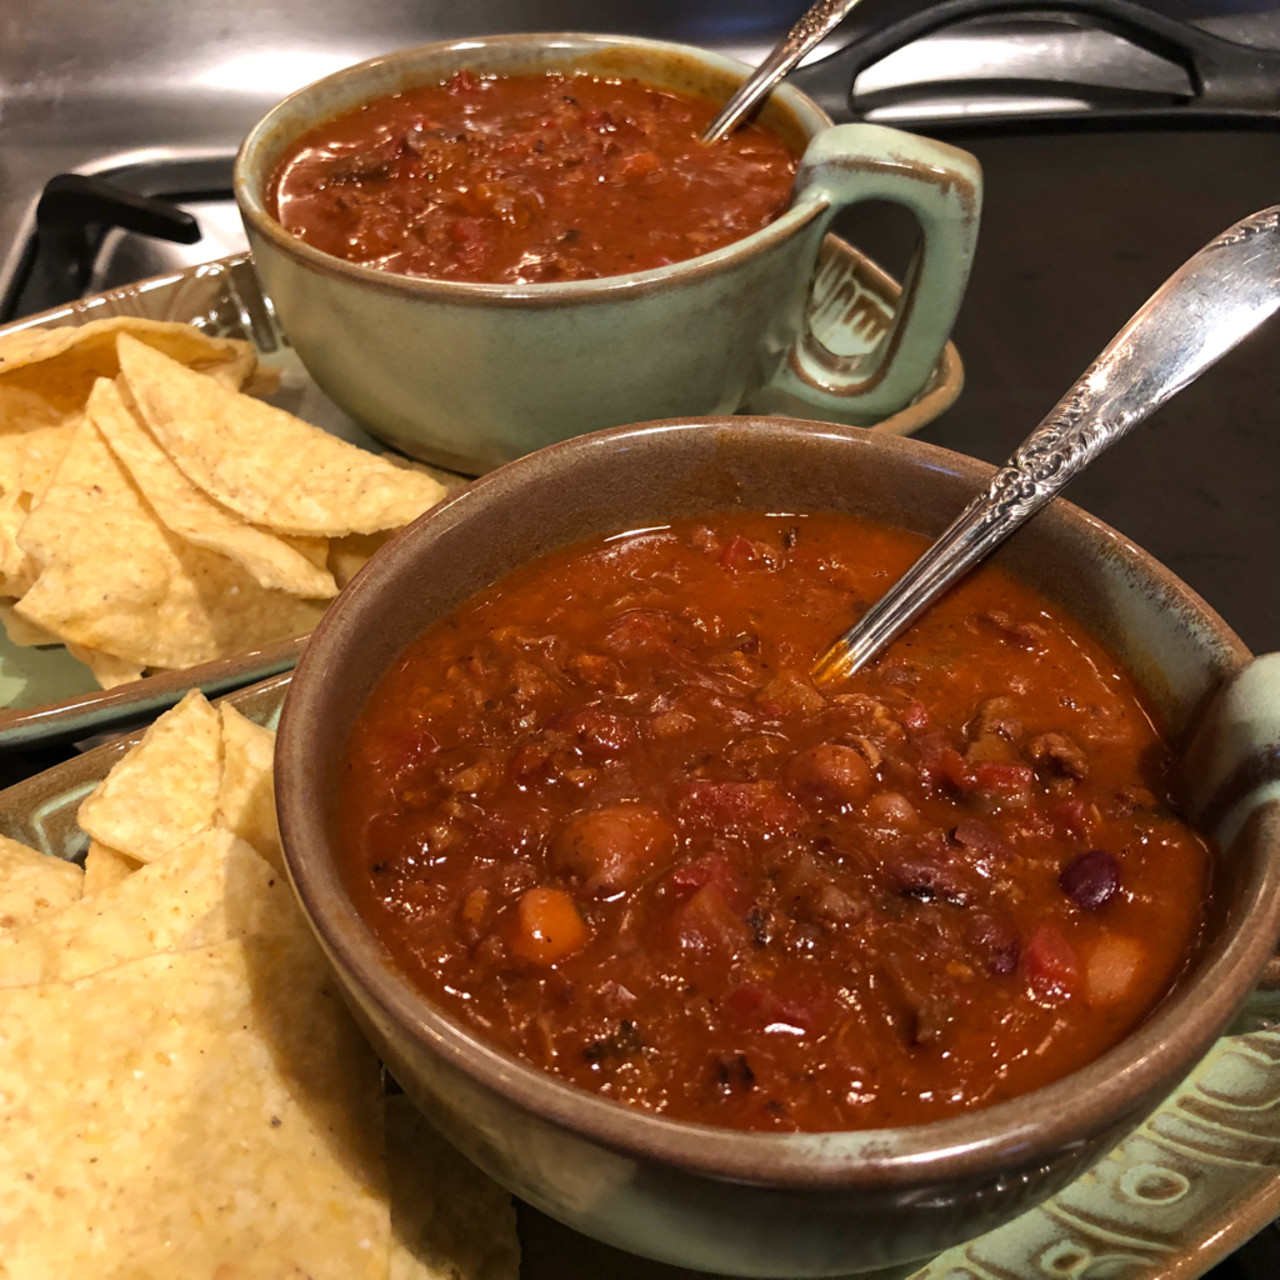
154 97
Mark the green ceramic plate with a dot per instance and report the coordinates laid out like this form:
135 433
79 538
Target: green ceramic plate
47 696
1189 1186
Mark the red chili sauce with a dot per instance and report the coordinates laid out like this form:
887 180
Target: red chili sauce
528 178
601 814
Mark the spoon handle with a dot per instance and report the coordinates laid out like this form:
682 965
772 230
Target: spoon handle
1216 299
818 23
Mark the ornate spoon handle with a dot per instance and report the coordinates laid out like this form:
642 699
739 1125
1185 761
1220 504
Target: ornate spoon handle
818 23
1201 312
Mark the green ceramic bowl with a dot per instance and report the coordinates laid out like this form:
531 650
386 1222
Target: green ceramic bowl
471 375
755 1204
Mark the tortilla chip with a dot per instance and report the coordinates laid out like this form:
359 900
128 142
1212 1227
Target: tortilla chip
210 1114
165 789
347 556
105 867
18 570
29 458
212 888
192 514
448 1220
58 367
33 885
246 795
108 670
272 468
113 578
263 382
22 632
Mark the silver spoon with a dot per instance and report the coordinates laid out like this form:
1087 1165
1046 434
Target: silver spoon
818 23
1216 299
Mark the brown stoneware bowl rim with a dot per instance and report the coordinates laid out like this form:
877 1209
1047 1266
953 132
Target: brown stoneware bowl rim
1107 1096
250 187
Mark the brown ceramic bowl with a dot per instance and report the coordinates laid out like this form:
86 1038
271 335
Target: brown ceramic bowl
717 1199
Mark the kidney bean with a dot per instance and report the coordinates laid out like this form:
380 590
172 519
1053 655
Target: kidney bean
1091 880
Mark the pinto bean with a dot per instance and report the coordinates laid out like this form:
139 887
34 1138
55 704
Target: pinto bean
831 772
609 851
891 811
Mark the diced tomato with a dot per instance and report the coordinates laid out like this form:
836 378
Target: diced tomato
740 552
743 807
802 1004
1070 817
473 240
706 923
714 869
915 718
945 767
941 765
637 166
1000 781
398 754
1051 962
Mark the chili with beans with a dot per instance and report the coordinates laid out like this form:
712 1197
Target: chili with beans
528 178
601 814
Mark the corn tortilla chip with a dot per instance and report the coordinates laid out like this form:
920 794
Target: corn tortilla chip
59 366
29 458
246 794
113 578
18 570
347 556
448 1220
212 888
191 513
33 886
23 633
272 468
210 1114
108 670
165 789
105 867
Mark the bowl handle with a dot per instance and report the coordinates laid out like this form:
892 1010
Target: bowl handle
942 186
1231 767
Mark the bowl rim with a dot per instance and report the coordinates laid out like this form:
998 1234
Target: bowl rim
1105 1096
249 184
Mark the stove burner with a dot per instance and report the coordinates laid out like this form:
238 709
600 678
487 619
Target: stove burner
73 218
93 234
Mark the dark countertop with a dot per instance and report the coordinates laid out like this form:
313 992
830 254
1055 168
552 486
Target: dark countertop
1078 230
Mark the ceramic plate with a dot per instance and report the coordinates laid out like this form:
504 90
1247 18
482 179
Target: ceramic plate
47 696
1184 1190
